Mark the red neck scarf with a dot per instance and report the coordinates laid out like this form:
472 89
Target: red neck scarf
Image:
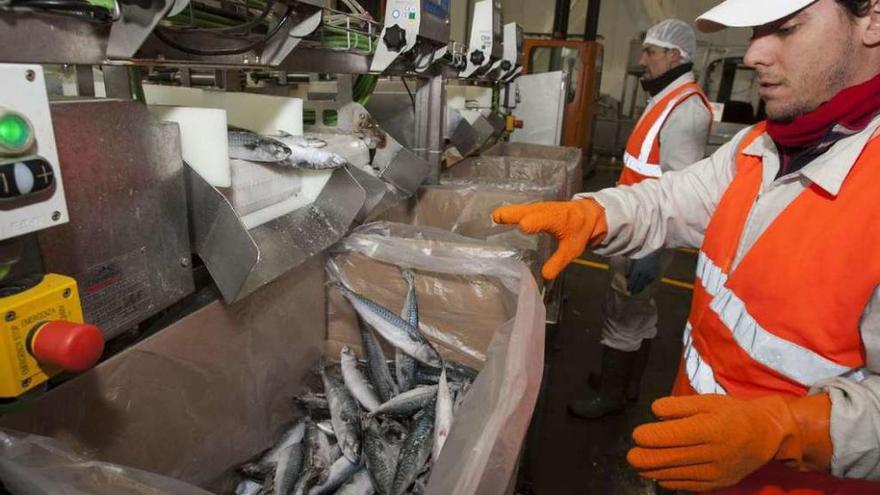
853 108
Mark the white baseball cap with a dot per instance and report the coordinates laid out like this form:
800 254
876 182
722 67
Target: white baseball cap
748 13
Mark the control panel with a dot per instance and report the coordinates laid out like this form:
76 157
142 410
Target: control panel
31 189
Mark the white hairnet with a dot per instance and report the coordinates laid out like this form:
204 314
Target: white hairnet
673 33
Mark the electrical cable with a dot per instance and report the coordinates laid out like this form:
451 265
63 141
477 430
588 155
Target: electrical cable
411 96
246 25
73 6
225 51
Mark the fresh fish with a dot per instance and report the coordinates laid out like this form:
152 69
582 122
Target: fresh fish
460 394
341 471
415 451
287 472
315 404
344 414
246 145
405 365
308 155
257 470
381 450
393 328
421 484
359 484
454 373
303 141
408 403
326 427
248 487
356 382
376 365
316 462
443 413
290 437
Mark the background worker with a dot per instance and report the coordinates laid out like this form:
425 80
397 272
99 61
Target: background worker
670 135
778 391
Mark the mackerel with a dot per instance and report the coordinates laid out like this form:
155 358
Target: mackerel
341 471
376 365
408 403
359 484
443 413
345 416
356 382
381 450
392 327
405 365
416 450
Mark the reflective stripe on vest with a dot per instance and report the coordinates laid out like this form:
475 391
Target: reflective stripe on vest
786 358
699 372
646 164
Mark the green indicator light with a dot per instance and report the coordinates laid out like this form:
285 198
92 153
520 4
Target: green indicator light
15 132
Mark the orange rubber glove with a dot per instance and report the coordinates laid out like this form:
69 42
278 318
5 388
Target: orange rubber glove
709 442
575 224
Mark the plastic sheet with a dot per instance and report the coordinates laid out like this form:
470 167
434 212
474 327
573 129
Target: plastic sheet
38 465
553 173
483 310
466 209
573 158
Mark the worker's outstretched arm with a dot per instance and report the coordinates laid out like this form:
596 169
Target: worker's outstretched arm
671 212
708 442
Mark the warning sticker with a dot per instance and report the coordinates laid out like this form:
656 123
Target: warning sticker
116 295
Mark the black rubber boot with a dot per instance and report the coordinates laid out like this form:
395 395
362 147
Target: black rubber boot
633 389
610 398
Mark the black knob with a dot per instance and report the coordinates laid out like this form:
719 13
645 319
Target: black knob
25 176
506 65
395 38
477 57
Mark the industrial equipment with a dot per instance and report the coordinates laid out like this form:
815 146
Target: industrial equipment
486 37
31 186
582 63
511 63
417 28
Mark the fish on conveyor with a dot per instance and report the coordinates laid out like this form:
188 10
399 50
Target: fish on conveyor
416 450
248 487
340 472
392 327
381 450
345 416
380 376
405 365
306 153
356 382
302 141
443 416
250 146
359 484
407 403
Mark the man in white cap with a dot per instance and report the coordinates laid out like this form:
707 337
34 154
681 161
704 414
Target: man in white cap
778 390
670 135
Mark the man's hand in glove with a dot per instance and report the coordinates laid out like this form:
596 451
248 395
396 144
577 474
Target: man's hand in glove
643 272
709 442
576 225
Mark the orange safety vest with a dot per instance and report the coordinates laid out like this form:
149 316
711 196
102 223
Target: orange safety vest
788 315
641 160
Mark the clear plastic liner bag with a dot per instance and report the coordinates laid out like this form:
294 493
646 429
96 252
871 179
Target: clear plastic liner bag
480 307
553 173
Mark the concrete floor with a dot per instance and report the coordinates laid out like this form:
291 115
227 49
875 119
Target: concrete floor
566 455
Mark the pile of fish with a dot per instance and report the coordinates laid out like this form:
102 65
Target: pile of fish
282 149
371 430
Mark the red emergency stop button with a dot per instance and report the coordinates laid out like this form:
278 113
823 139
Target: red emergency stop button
70 346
